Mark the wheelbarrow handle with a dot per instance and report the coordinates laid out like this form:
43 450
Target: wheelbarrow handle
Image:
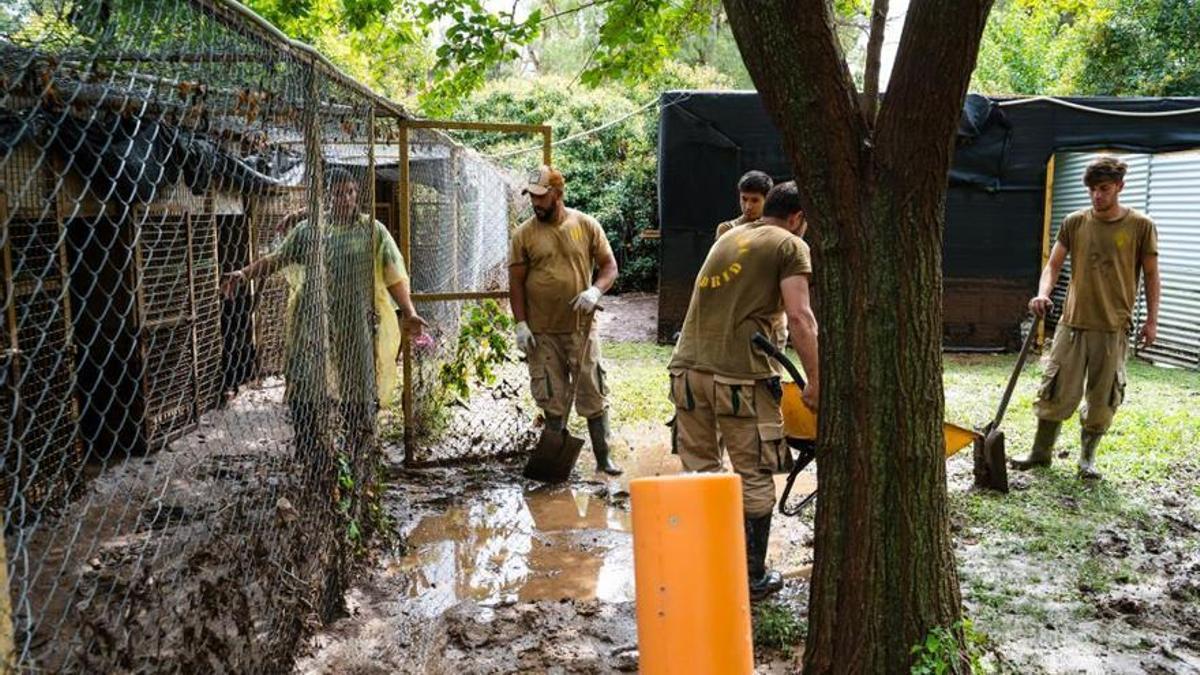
759 340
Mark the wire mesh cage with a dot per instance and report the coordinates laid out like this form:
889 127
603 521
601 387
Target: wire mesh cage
205 227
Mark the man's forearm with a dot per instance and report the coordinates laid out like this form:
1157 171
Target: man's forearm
516 296
1153 295
607 276
1049 278
803 333
400 293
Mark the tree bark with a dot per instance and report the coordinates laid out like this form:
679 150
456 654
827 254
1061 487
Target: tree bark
884 573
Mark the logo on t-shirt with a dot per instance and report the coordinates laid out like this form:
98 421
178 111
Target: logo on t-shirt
731 271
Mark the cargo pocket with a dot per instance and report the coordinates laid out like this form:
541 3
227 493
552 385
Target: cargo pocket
773 450
539 386
1117 397
733 397
680 393
1049 385
602 380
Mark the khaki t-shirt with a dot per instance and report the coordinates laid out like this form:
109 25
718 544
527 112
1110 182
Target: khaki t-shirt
559 259
737 293
728 225
1106 258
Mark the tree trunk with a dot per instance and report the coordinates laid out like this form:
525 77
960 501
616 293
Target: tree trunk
874 193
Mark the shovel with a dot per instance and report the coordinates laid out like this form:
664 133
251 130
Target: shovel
991 467
557 451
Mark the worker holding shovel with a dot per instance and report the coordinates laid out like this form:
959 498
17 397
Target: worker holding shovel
551 261
754 280
1108 244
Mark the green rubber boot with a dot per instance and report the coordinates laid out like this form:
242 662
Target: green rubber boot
1043 447
598 430
1088 440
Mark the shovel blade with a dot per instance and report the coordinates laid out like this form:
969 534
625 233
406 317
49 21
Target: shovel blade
991 462
553 457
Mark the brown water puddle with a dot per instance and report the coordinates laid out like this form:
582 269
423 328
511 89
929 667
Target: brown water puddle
508 543
511 544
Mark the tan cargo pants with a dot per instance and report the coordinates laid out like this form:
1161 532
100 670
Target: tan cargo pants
1079 356
553 363
747 415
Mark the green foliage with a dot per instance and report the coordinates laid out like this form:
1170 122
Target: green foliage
955 649
776 627
378 42
611 175
1091 47
1147 47
482 344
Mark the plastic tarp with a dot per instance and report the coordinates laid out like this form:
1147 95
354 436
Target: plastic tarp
994 206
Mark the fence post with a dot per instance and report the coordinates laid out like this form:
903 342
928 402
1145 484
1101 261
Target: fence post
7 653
406 400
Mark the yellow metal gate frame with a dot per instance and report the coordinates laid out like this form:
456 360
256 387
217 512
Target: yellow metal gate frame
405 218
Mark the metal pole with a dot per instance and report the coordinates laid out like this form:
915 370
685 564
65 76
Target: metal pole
406 401
1049 208
7 653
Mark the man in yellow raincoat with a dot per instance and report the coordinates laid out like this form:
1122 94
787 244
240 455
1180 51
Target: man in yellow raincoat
353 362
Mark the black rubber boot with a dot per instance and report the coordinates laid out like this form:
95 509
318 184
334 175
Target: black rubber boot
598 430
1088 440
763 582
552 422
1043 447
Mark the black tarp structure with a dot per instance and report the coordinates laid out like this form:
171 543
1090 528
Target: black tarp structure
995 205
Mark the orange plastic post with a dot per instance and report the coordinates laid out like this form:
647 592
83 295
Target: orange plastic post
689 561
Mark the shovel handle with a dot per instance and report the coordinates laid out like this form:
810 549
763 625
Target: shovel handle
1012 380
759 340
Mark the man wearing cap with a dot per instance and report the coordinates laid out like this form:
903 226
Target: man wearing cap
551 261
1109 245
755 279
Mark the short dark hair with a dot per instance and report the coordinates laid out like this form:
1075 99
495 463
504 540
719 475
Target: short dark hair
755 181
1103 169
337 174
783 201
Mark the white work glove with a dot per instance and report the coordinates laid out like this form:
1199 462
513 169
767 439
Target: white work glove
586 301
525 341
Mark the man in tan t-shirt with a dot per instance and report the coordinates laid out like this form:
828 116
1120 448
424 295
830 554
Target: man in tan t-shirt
753 187
550 264
755 279
1109 245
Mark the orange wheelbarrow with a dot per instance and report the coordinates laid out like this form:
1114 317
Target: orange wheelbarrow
800 428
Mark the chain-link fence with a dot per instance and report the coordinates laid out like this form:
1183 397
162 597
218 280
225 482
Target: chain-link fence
198 332
463 209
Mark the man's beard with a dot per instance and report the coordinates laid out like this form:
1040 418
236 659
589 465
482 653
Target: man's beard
546 215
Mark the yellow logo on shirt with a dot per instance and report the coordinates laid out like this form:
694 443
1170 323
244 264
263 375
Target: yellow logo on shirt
1122 238
730 273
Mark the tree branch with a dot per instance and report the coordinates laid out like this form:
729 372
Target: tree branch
930 63
792 51
870 100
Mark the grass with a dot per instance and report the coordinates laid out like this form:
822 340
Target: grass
1049 526
776 626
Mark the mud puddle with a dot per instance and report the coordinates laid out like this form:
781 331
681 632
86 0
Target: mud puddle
499 574
512 544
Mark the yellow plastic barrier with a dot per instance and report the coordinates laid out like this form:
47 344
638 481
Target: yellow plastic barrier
689 558
799 421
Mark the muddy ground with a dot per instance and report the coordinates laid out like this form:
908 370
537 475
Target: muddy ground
496 574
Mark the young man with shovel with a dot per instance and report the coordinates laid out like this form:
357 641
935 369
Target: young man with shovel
1109 245
754 280
550 267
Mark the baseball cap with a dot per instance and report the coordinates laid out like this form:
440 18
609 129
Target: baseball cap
542 180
